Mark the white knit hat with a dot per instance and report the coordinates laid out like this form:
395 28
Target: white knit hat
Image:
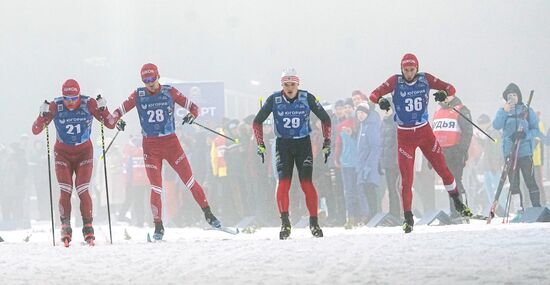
289 75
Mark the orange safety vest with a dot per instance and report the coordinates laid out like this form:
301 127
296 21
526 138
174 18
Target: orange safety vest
217 157
133 155
445 126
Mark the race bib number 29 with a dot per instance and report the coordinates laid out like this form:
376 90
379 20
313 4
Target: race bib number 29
291 123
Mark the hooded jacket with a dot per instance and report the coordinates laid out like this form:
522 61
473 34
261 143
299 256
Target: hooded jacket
519 118
368 147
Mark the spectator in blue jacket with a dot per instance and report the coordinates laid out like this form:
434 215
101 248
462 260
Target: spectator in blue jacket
368 147
355 199
518 122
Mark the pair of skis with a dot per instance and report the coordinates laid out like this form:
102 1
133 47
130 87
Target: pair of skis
67 242
232 231
509 165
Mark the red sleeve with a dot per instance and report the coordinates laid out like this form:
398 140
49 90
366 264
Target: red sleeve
258 132
41 122
438 84
101 115
183 101
124 108
327 129
387 87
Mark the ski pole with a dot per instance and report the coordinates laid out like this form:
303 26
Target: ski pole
106 181
110 144
507 207
217 133
470 121
50 180
500 186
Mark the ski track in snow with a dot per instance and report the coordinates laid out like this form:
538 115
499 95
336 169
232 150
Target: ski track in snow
458 254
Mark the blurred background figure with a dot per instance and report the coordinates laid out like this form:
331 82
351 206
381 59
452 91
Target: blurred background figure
454 135
368 147
388 163
15 189
490 160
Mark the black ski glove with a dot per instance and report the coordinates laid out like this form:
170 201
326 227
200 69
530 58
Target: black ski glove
384 104
261 151
188 119
440 95
120 125
326 149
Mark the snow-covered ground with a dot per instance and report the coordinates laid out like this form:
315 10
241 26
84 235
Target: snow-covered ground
460 254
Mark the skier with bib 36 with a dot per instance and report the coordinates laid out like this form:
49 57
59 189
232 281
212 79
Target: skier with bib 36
410 95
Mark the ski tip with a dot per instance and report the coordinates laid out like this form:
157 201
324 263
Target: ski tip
1 240
149 238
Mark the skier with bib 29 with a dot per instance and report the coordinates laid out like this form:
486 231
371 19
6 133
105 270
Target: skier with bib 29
291 109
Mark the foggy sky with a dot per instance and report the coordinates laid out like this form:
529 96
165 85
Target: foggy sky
336 47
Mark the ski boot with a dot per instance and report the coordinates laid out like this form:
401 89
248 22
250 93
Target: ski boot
210 218
159 231
408 223
460 207
88 233
285 226
314 227
66 233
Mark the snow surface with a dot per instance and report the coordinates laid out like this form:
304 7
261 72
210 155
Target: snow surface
459 254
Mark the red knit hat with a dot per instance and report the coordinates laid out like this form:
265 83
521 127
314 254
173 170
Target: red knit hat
409 59
70 88
149 70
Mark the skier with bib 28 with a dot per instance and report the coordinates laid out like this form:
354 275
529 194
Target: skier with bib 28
155 105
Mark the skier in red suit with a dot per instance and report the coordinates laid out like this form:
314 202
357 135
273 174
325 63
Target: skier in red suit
73 116
410 95
155 106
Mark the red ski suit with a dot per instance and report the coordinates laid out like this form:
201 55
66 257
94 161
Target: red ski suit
409 138
164 147
73 160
